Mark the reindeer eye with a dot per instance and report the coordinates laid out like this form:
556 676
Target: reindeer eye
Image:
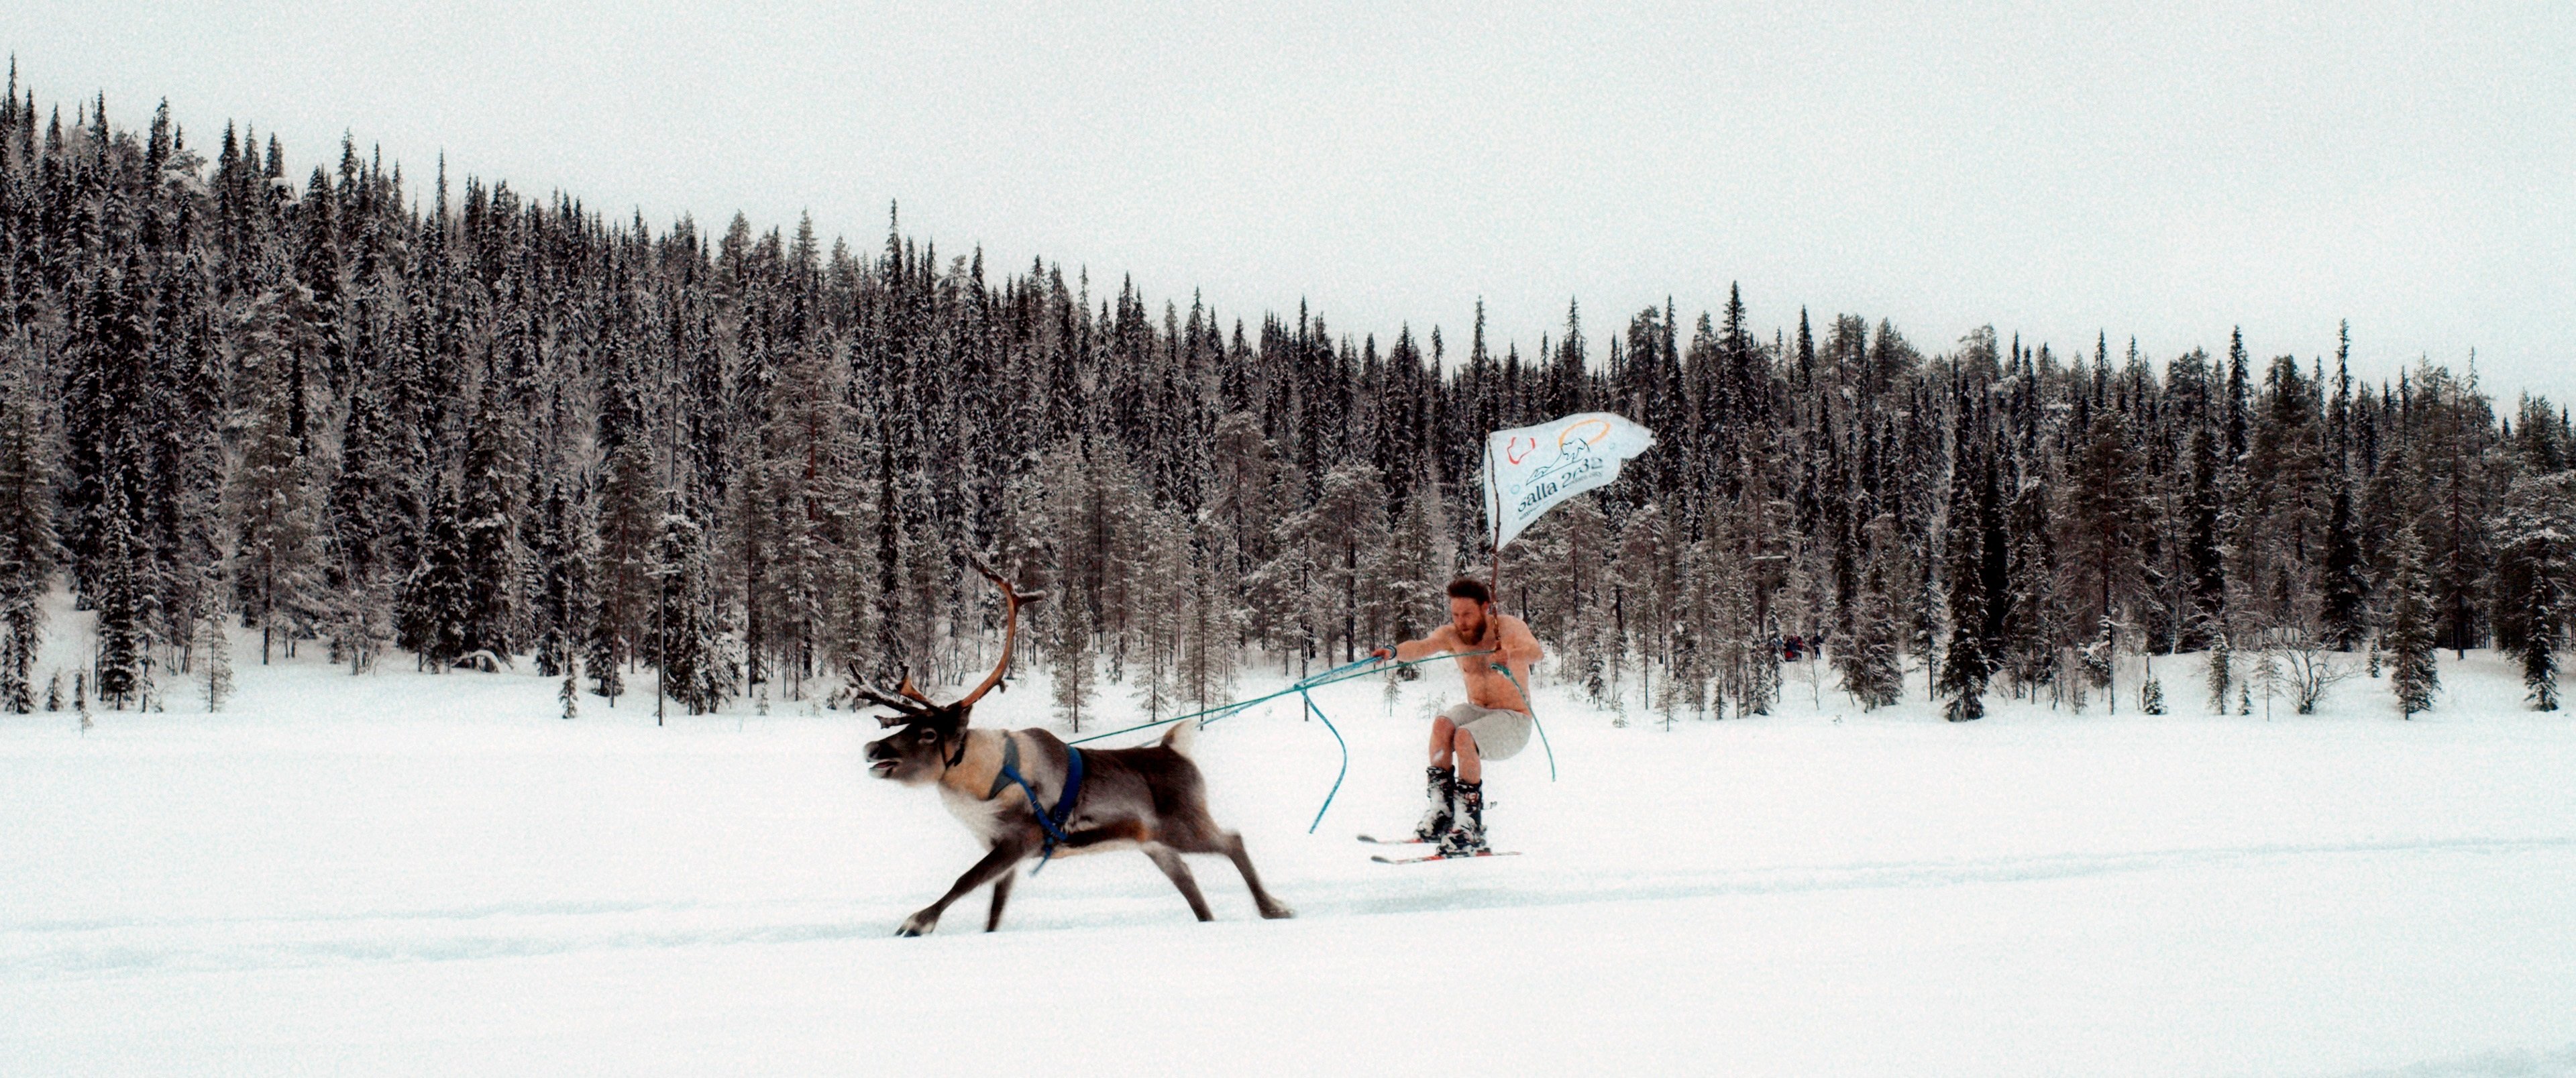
922 735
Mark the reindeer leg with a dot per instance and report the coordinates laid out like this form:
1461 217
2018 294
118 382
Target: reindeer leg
1271 907
1006 855
1001 895
1179 872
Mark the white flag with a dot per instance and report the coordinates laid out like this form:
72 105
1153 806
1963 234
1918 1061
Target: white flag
1530 469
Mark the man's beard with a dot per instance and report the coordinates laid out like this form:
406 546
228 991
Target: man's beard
1477 637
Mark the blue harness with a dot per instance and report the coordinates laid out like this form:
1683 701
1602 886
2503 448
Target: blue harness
1054 821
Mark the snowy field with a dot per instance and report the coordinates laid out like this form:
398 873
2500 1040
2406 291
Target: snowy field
408 873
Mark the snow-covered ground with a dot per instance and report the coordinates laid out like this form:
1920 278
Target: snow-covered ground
407 873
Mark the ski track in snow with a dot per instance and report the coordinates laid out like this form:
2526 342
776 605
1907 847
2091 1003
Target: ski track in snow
41 950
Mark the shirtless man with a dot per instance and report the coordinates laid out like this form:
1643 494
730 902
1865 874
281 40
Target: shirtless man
1494 723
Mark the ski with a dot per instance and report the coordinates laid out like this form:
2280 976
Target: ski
1374 840
1385 860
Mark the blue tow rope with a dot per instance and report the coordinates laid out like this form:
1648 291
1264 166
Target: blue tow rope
1346 762
1302 688
1533 714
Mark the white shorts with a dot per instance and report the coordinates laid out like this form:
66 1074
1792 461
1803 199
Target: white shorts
1501 733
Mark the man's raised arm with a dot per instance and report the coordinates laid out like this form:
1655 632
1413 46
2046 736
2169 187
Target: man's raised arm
1434 644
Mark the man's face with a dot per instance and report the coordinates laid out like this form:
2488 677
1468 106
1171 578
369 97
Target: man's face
1468 615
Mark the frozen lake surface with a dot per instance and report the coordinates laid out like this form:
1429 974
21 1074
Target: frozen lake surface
407 873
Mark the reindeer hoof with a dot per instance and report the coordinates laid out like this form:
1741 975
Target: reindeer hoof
917 925
1277 911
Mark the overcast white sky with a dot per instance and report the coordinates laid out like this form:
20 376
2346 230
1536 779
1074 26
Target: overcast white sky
2159 171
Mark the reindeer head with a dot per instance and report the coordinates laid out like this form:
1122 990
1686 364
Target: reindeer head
932 736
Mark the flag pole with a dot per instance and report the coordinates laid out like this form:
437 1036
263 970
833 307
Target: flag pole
1494 518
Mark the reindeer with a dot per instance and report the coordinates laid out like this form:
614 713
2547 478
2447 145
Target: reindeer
1150 798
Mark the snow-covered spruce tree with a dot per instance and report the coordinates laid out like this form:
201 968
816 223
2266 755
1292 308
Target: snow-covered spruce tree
122 581
1069 654
753 543
104 354
1800 608
2106 514
2536 540
2101 660
1647 584
1867 658
2543 609
599 657
185 521
1576 608
213 653
434 612
2204 557
772 650
563 585
2343 612
1094 504
809 413
853 638
699 667
2269 672
2409 638
1240 492
1967 664
1163 588
2284 510
1211 629
601 636
27 548
1282 591
271 491
1732 632
2033 621
487 518
1687 683
622 556
803 587
1922 614
1344 531
2222 673
358 594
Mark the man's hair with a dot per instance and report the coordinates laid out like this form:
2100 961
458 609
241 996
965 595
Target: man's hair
1468 587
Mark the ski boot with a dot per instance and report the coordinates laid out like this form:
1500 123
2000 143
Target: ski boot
1443 792
1466 837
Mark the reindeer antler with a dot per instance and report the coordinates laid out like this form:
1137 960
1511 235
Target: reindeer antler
907 709
1012 601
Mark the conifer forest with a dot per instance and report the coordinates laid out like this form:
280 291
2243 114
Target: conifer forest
398 419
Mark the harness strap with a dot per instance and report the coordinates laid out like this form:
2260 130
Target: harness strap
1052 821
1010 771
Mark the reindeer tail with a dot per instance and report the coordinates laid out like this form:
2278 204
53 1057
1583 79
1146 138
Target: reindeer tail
1182 737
